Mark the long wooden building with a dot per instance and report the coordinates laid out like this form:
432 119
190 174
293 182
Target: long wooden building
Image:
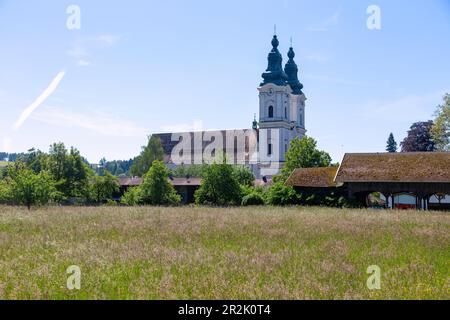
392 180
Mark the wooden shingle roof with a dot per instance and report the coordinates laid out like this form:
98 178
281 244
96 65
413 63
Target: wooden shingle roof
425 167
313 177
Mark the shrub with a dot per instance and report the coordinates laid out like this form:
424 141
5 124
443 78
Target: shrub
132 197
244 175
219 186
5 192
253 199
105 186
281 195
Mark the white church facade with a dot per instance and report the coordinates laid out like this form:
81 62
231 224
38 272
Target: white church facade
264 146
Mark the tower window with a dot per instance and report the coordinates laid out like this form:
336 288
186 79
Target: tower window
285 113
270 112
269 149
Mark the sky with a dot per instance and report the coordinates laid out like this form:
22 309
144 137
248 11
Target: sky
134 68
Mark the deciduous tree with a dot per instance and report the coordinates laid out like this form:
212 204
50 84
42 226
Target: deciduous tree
304 154
220 186
419 138
156 189
105 186
152 152
441 129
28 188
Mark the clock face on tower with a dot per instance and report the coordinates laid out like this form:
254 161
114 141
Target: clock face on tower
270 91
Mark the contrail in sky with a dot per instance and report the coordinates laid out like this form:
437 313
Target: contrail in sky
47 93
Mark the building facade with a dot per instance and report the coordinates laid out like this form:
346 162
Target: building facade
262 147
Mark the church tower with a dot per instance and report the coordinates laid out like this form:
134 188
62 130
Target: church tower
298 98
281 106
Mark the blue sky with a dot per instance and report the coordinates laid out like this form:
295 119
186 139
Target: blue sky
141 67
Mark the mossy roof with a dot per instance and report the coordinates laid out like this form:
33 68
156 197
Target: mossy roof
425 167
313 177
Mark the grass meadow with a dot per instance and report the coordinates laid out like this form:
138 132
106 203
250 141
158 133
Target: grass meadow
209 253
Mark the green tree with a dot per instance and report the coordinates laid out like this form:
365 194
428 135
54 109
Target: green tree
70 171
28 188
156 189
132 197
391 144
57 161
219 186
152 152
78 174
5 191
303 154
105 186
193 170
441 129
244 176
281 195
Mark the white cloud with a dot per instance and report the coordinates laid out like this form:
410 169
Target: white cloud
79 49
184 127
325 25
47 92
108 39
83 63
80 54
103 124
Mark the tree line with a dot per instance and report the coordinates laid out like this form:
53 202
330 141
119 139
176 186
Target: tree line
63 177
60 176
224 184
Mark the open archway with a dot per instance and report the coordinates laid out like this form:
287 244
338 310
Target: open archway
376 200
439 201
405 201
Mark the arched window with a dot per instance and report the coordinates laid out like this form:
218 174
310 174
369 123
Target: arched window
271 112
269 149
285 112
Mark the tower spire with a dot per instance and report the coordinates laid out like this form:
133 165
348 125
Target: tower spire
291 71
255 123
274 72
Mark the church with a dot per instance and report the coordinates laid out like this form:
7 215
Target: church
262 147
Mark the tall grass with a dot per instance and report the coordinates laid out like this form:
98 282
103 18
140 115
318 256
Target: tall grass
206 253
